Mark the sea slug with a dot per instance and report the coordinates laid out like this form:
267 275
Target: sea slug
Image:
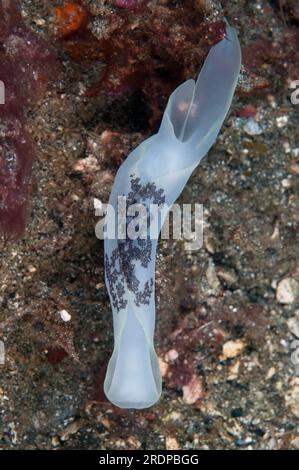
156 173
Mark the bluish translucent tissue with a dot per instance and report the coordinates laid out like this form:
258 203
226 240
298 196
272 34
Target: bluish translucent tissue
156 172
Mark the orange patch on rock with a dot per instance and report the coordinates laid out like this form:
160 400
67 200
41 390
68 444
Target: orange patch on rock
70 18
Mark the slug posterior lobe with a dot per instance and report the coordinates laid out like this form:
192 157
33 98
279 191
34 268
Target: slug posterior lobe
156 173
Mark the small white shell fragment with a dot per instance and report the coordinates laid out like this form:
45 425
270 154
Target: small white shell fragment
232 349
65 316
287 291
252 127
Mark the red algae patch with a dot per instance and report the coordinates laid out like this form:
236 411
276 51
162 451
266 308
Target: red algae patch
27 64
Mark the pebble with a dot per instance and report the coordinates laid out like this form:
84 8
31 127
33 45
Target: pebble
287 291
232 349
252 127
65 316
193 391
293 326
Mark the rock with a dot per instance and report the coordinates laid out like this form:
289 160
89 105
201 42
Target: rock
287 291
193 391
232 349
293 326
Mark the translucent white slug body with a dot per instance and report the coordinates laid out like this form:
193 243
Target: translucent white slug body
156 172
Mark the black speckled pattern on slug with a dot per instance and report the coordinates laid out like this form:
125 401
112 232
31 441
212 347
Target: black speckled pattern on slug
120 266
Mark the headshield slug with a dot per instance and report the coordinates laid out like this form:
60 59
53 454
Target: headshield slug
155 173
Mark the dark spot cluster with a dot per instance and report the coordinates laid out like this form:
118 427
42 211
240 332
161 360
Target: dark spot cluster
121 265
